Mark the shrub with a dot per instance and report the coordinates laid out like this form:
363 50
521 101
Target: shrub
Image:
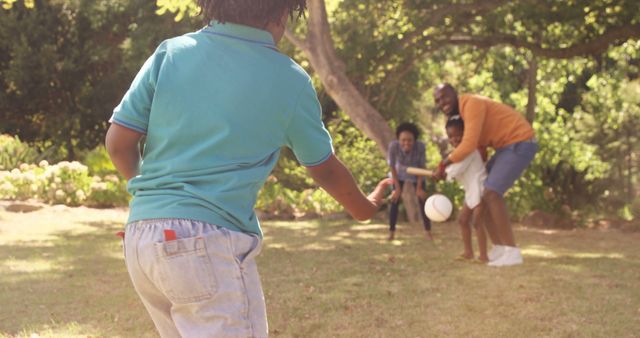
63 183
290 191
360 154
22 183
320 202
66 183
275 199
14 152
98 162
108 192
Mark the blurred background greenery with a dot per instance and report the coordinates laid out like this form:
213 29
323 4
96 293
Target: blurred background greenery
573 67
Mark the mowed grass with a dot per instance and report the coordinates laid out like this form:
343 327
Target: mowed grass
62 275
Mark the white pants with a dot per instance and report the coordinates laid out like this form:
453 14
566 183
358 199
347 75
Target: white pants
205 283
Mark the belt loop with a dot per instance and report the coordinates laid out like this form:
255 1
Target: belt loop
170 247
200 246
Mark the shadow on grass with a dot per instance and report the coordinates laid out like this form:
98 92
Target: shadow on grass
308 243
342 278
345 279
72 280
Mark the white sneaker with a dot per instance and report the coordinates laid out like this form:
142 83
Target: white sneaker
511 256
496 252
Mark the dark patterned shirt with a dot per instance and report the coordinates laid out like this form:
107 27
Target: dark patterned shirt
401 160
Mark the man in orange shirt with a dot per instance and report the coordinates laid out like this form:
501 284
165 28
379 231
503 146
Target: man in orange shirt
492 124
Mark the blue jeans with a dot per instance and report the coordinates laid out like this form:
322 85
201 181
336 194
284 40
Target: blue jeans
204 283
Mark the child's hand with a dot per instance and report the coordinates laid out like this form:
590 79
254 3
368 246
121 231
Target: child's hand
377 196
440 174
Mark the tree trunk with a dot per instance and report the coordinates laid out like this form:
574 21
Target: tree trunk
319 49
413 211
331 70
532 83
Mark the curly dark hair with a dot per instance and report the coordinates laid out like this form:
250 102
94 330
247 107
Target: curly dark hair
251 12
410 127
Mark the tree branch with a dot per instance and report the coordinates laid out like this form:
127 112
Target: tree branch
437 14
595 46
299 43
332 72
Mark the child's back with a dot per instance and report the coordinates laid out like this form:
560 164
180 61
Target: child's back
217 105
221 103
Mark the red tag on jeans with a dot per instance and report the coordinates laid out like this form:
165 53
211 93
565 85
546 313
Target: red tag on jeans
169 235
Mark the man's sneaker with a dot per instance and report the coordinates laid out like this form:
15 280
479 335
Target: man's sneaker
510 256
496 252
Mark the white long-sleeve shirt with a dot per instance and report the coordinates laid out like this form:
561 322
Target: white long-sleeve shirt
471 174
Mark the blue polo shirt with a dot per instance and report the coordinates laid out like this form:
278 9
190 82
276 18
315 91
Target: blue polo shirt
216 106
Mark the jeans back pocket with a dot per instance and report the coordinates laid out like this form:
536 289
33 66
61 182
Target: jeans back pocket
184 272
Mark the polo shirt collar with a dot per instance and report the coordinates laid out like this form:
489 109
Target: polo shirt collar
240 32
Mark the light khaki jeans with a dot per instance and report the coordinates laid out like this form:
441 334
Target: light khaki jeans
203 284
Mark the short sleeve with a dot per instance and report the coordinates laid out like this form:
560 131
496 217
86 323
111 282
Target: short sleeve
133 110
306 134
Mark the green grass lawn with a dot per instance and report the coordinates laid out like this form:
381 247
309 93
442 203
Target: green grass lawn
62 274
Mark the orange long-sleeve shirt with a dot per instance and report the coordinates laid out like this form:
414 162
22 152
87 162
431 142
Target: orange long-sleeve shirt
488 123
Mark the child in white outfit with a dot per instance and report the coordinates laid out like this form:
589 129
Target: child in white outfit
471 174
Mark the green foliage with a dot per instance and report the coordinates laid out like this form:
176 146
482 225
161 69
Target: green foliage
370 46
8 4
616 94
180 8
87 53
358 153
58 99
277 200
290 191
585 114
110 191
99 162
66 183
62 183
13 152
21 183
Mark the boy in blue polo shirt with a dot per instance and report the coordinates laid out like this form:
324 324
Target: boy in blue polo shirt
216 106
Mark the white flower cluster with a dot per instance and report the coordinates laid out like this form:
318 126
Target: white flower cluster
62 183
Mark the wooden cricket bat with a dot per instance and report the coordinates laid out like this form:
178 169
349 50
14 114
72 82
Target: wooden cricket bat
419 171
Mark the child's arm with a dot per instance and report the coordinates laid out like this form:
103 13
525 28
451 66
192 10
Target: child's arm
124 150
336 179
